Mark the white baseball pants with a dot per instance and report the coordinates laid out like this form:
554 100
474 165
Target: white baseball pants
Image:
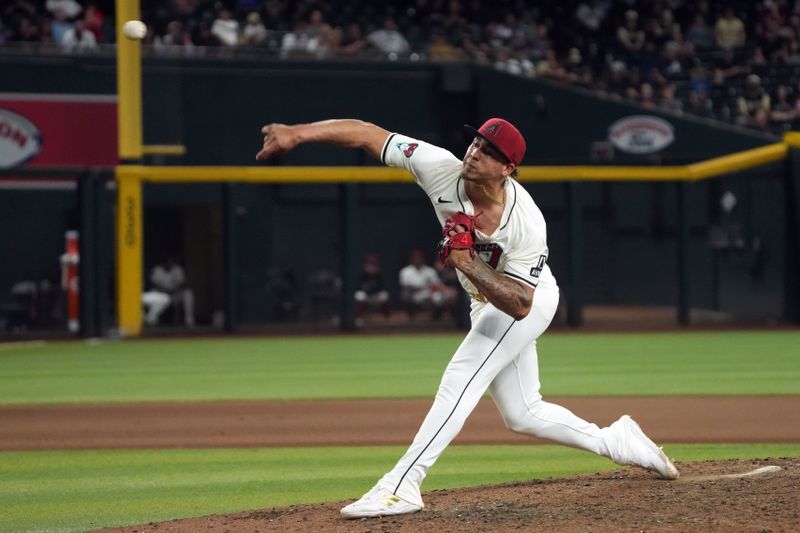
498 354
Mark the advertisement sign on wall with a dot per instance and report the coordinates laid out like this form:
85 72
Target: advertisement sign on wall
641 134
42 130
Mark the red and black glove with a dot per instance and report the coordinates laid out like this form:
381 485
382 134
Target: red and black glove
460 241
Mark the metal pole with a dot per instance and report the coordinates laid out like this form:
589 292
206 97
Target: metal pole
348 193
681 254
574 263
104 251
88 254
792 272
230 250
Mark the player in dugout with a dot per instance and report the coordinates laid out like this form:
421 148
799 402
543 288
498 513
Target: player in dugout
495 236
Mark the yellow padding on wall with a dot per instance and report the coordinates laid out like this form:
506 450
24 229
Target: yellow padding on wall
696 171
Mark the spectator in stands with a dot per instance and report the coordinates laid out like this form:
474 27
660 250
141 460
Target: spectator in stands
540 44
94 20
353 42
758 59
700 35
225 28
371 292
254 33
297 42
646 96
657 47
728 67
421 288
46 31
183 8
671 67
549 67
440 49
797 99
668 100
591 15
793 53
654 32
70 8
576 71
328 42
634 84
753 104
275 16
670 29
27 31
617 78
203 36
60 26
783 112
772 15
729 30
700 104
316 25
388 39
176 38
4 33
630 35
79 38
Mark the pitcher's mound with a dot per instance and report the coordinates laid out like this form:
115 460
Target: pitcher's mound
731 495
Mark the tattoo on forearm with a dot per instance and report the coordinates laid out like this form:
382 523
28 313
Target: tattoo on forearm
504 293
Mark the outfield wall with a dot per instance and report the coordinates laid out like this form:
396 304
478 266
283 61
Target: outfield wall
216 108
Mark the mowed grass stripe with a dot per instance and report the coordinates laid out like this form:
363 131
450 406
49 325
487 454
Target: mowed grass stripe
680 363
80 490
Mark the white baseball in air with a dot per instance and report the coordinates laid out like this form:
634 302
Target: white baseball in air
134 29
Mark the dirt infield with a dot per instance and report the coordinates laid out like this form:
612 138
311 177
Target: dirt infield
705 498
364 422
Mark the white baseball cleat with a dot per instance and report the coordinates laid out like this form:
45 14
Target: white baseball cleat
379 502
628 445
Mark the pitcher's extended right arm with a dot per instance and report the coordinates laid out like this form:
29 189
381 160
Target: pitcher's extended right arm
350 133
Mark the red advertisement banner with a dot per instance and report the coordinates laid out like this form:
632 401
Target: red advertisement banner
45 130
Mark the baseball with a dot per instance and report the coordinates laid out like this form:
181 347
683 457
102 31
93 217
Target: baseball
134 29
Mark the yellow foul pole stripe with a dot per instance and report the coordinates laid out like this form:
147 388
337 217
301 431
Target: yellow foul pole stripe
129 188
129 84
129 255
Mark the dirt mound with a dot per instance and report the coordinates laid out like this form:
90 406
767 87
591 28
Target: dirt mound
709 496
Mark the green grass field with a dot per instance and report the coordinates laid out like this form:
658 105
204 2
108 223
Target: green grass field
696 363
76 491
79 490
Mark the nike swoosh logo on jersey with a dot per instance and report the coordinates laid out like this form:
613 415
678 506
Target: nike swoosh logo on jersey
444 201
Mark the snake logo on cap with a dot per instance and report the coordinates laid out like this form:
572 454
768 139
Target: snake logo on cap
494 128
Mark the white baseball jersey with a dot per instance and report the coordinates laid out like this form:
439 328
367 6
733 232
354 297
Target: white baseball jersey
517 248
499 353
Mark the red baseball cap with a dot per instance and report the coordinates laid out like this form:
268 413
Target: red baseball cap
504 136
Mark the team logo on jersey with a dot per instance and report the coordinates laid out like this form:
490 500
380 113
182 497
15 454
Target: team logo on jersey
490 253
407 148
537 270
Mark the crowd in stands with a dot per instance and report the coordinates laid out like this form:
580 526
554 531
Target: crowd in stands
736 61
